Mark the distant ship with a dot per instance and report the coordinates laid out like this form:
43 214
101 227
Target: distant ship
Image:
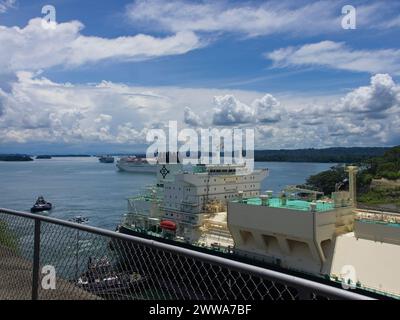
43 157
106 159
135 164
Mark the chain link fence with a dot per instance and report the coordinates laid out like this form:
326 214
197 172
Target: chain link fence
46 258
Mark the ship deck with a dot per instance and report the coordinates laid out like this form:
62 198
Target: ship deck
299 205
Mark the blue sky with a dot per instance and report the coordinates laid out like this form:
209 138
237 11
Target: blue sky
111 70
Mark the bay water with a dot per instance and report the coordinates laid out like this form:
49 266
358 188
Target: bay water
98 191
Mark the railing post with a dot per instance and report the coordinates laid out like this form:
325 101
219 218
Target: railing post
36 261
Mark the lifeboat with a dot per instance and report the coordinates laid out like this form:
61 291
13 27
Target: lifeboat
168 225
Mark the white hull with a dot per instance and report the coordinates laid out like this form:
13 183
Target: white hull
137 168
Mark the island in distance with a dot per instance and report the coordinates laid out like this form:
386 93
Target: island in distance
15 157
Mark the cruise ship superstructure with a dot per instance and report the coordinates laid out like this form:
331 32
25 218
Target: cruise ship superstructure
134 164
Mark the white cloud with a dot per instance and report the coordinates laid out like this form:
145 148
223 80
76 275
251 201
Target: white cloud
252 18
230 111
380 96
337 55
267 109
34 48
38 110
5 5
191 118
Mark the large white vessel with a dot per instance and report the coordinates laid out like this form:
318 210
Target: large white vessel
330 237
190 206
136 165
220 208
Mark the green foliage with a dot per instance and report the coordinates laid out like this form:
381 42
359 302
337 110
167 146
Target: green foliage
386 166
381 196
333 155
325 181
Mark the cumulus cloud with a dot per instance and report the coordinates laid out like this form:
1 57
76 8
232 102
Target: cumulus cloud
380 96
267 109
38 110
191 118
230 111
337 55
250 18
34 48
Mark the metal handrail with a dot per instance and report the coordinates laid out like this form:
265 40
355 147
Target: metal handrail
295 281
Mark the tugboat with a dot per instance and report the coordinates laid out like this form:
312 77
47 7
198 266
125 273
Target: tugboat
41 205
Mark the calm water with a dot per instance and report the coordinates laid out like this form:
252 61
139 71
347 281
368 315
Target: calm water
83 186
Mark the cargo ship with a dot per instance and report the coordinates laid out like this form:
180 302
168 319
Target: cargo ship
221 210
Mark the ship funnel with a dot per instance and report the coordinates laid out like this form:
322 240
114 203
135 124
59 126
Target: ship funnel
352 170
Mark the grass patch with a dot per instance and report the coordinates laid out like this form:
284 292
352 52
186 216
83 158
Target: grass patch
381 196
7 238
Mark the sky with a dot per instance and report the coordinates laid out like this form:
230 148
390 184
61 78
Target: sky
100 75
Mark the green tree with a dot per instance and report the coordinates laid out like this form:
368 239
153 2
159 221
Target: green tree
325 181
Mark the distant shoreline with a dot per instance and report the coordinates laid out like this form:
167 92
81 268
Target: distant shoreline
326 155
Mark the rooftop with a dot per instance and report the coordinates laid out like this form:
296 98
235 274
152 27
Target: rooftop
300 205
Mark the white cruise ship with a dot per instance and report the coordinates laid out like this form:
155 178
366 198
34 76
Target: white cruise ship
136 165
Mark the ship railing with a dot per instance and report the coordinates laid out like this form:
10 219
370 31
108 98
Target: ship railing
46 258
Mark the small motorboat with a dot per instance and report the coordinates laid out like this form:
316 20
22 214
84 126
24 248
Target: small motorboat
41 205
